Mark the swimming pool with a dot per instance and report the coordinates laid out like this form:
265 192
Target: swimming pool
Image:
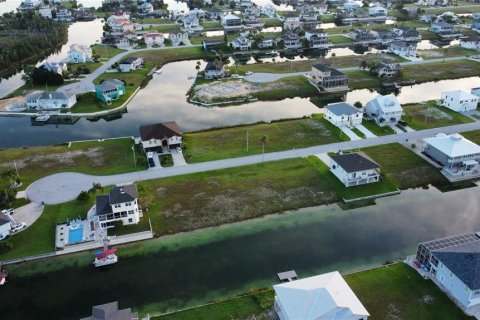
76 235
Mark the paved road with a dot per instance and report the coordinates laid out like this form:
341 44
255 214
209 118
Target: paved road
62 187
86 84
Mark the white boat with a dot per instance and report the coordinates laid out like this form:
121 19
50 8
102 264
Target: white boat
105 257
42 117
191 77
158 71
273 53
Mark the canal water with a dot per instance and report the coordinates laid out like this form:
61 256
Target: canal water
194 268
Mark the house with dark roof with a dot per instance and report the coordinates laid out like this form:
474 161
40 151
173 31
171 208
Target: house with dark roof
328 78
160 137
120 204
214 70
354 169
109 90
110 311
454 263
130 64
342 114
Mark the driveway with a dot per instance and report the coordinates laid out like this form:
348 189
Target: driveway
352 135
178 158
271 77
28 213
365 131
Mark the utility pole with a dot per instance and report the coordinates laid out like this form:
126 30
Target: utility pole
247 140
134 158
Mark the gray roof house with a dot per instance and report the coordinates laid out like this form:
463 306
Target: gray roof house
328 78
214 69
120 204
342 115
110 311
354 169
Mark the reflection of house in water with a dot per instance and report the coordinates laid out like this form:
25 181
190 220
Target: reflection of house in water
109 117
56 119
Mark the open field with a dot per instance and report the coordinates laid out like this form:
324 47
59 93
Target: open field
106 51
105 157
160 57
391 292
164 28
155 21
445 52
474 136
340 39
467 8
282 135
403 167
26 88
430 115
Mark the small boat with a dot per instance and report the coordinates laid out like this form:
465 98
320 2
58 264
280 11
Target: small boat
191 77
158 71
273 53
105 257
3 276
42 117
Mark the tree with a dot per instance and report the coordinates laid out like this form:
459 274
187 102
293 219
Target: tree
28 74
333 58
5 246
83 196
358 105
9 175
363 64
264 141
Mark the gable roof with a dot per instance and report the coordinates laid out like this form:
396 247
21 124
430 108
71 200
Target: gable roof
454 145
214 66
325 68
102 205
388 103
163 130
123 194
109 84
459 95
342 108
463 261
354 162
129 60
318 297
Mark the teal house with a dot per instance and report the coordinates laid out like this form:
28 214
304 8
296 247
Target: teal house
110 90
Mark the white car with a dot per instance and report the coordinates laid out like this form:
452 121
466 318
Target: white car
179 150
248 73
3 236
8 211
18 227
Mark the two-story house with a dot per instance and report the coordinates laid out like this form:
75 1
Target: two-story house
317 39
328 78
160 137
120 204
291 41
384 109
354 169
342 114
292 21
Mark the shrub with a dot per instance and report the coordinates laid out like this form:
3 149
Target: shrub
83 196
5 246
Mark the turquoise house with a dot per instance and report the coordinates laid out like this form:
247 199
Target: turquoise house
109 90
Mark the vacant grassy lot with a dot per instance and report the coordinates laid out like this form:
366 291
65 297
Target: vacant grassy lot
392 292
155 21
446 52
161 57
164 28
360 79
340 39
282 135
105 158
430 115
474 136
403 167
105 51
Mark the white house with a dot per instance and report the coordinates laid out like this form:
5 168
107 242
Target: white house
122 43
318 39
130 64
191 25
388 69
292 21
354 169
454 263
64 15
120 204
179 38
326 296
291 41
459 100
269 10
266 43
160 137
57 67
253 11
122 26
471 42
214 70
231 22
241 43
42 100
79 53
153 38
476 91
45 10
442 28
5 226
342 114
146 7
377 11
403 49
350 5
384 109
117 16
452 152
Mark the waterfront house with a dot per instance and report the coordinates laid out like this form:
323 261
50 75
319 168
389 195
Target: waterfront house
384 35
57 67
386 69
64 15
45 10
384 109
475 91
406 34
354 169
266 43
252 22
153 38
120 204
454 265
241 43
160 137
146 7
179 38
122 25
292 21
291 41
120 15
453 152
269 10
326 296
5 226
122 42
197 13
210 45
377 11
43 100
363 35
110 311
459 100
328 78
476 21
214 70
108 90
79 54
231 22
428 18
130 64
317 39
403 49
342 114
253 11
442 28
470 42
350 6
191 25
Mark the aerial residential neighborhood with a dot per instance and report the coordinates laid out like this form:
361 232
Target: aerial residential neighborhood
244 159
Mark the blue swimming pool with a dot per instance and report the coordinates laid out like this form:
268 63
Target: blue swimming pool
75 235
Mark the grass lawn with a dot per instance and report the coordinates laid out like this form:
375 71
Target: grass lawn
474 136
155 21
359 133
161 57
470 8
282 135
376 129
166 160
403 167
105 51
211 25
291 87
106 157
164 28
447 52
340 39
271 22
25 88
430 115
361 79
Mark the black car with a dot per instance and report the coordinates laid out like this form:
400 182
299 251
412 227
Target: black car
402 123
151 163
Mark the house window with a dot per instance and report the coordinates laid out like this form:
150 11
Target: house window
117 205
465 288
128 204
130 220
441 278
130 212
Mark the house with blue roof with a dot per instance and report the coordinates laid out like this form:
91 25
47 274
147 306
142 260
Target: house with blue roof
109 90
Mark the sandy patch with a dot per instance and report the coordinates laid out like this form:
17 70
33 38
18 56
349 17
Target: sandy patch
13 104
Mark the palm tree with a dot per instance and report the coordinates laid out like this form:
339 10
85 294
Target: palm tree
264 141
333 58
445 53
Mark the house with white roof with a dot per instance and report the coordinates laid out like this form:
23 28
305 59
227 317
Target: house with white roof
269 11
231 22
153 38
354 169
384 109
342 114
5 225
57 67
403 49
79 53
442 28
326 296
241 43
191 25
43 100
459 100
470 42
453 152
377 11
351 5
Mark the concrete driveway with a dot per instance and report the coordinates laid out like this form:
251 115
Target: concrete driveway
178 158
352 135
28 213
365 131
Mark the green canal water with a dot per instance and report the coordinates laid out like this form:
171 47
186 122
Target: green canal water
192 268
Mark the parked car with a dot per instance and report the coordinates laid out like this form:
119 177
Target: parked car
18 227
8 211
151 163
402 123
179 150
3 237
248 73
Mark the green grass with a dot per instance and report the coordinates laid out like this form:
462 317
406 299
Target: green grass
446 52
211 25
359 133
470 8
474 136
340 39
376 129
26 87
166 160
271 22
282 135
403 167
360 79
155 21
290 87
106 51
161 57
164 28
107 157
430 115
